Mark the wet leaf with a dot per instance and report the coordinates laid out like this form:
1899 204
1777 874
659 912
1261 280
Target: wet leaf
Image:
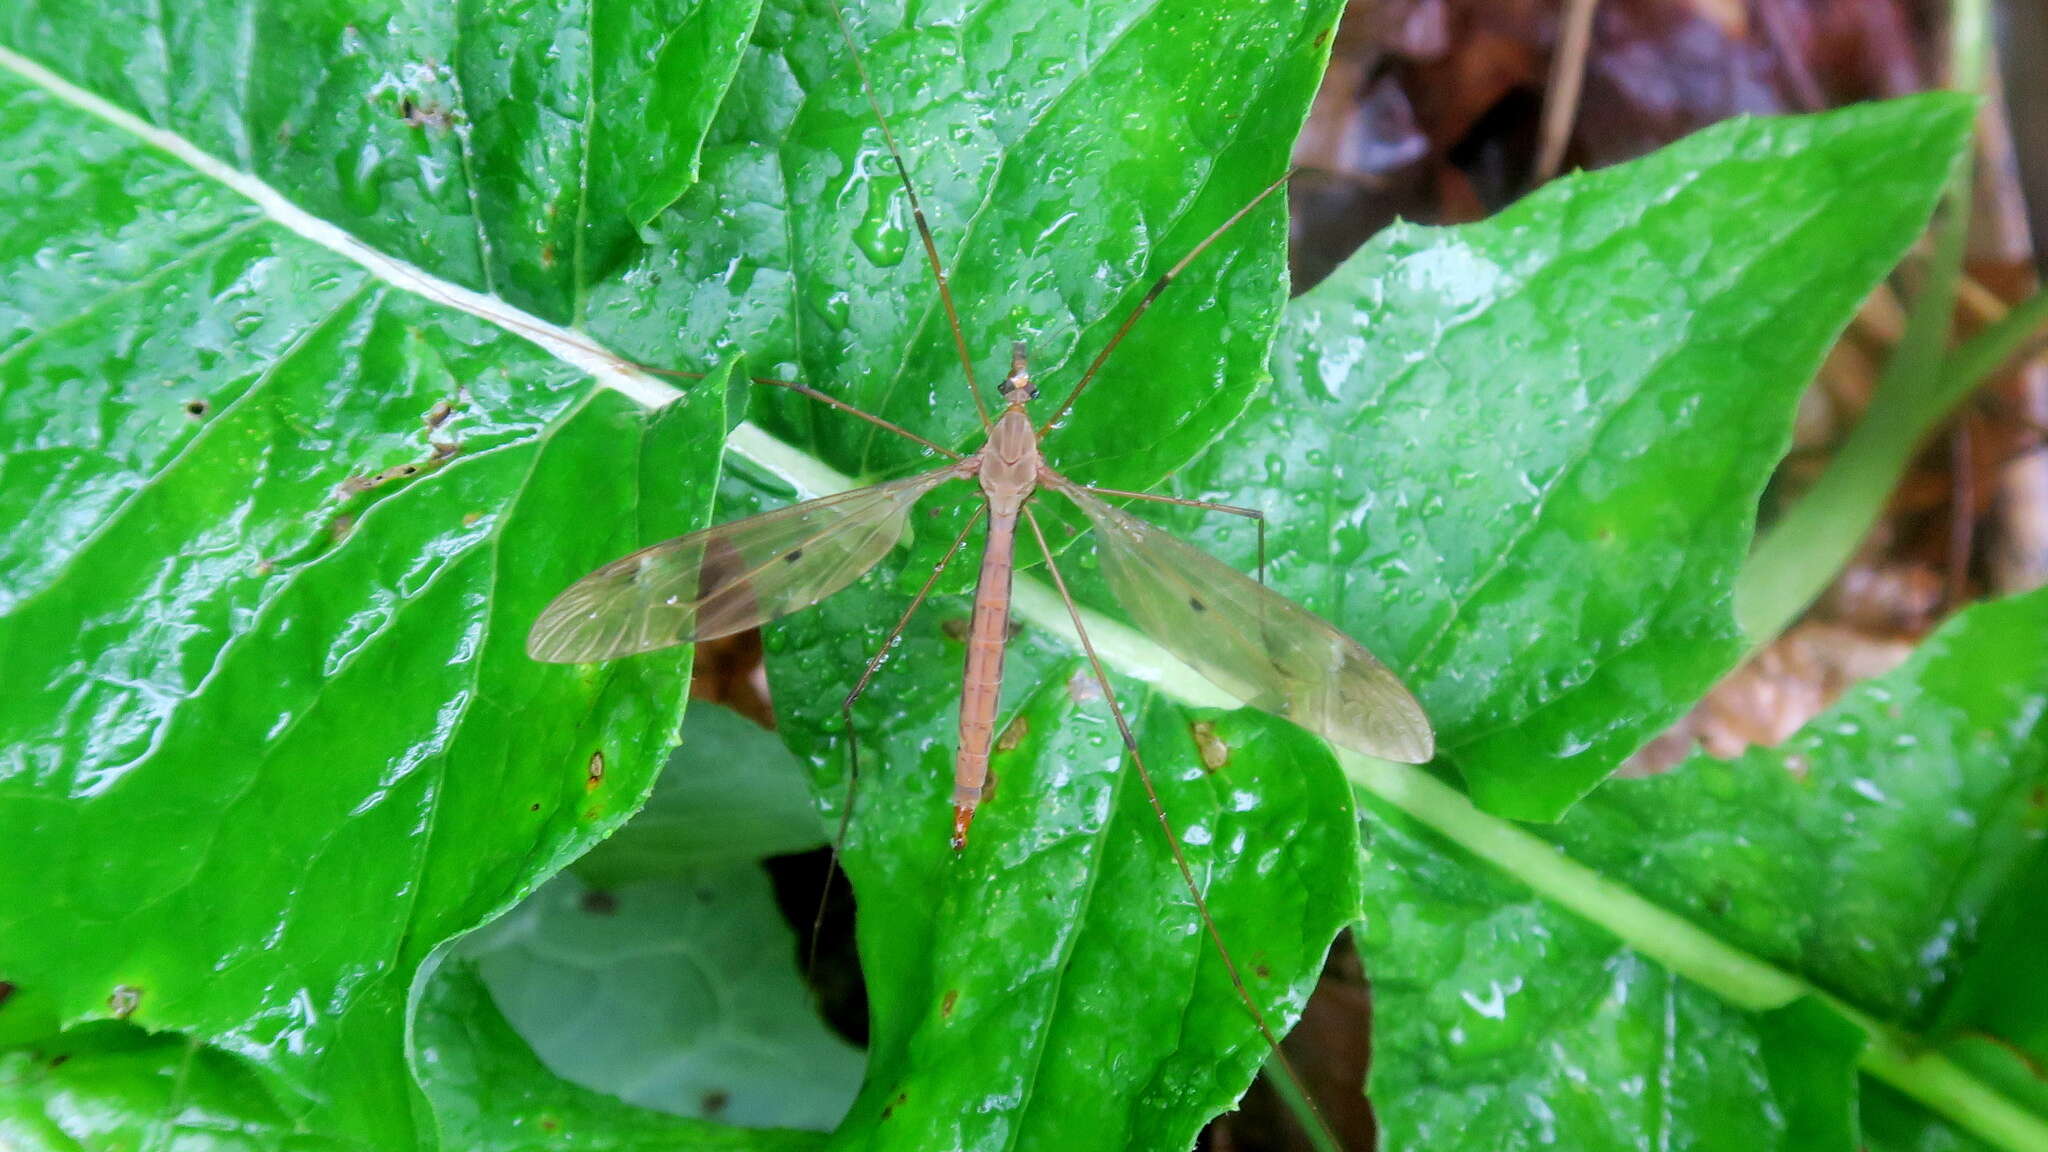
732 793
1063 937
1861 857
113 1086
1520 459
280 529
278 743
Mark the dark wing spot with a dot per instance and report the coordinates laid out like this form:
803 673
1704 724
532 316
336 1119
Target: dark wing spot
792 556
1197 605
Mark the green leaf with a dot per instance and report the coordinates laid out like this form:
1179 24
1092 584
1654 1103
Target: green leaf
1860 857
511 149
687 998
687 995
217 203
731 794
1520 459
1907 810
113 1086
489 1093
274 736
167 850
1502 1022
1066 156
1003 979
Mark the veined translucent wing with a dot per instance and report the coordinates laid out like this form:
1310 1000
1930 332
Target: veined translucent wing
1253 642
727 578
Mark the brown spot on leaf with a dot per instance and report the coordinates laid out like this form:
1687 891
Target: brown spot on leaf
714 1102
1214 752
438 414
1262 971
550 1124
1013 733
196 409
6 992
599 902
470 519
947 1001
594 774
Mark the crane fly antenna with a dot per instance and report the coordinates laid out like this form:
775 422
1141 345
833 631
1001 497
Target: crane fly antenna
924 230
1159 286
1180 858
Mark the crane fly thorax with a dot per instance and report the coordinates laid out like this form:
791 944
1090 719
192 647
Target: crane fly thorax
1009 462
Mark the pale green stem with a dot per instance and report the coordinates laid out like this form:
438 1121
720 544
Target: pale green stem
1799 556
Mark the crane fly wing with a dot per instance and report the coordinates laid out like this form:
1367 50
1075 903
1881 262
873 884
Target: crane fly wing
1253 642
727 578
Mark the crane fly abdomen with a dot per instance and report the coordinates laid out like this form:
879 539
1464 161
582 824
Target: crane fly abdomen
981 683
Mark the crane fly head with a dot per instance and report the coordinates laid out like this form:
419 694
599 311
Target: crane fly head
1017 386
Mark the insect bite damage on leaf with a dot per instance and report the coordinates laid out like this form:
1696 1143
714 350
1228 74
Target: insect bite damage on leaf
1214 752
124 1000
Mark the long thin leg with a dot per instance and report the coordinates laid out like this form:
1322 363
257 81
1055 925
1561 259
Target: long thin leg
1253 514
852 737
1151 294
1180 858
924 230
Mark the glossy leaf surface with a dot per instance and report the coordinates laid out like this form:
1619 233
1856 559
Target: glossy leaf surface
1004 979
275 890
1520 460
732 793
1066 163
1860 857
279 532
110 1085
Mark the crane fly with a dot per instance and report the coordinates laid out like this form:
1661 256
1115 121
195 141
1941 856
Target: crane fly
1252 642
1255 644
